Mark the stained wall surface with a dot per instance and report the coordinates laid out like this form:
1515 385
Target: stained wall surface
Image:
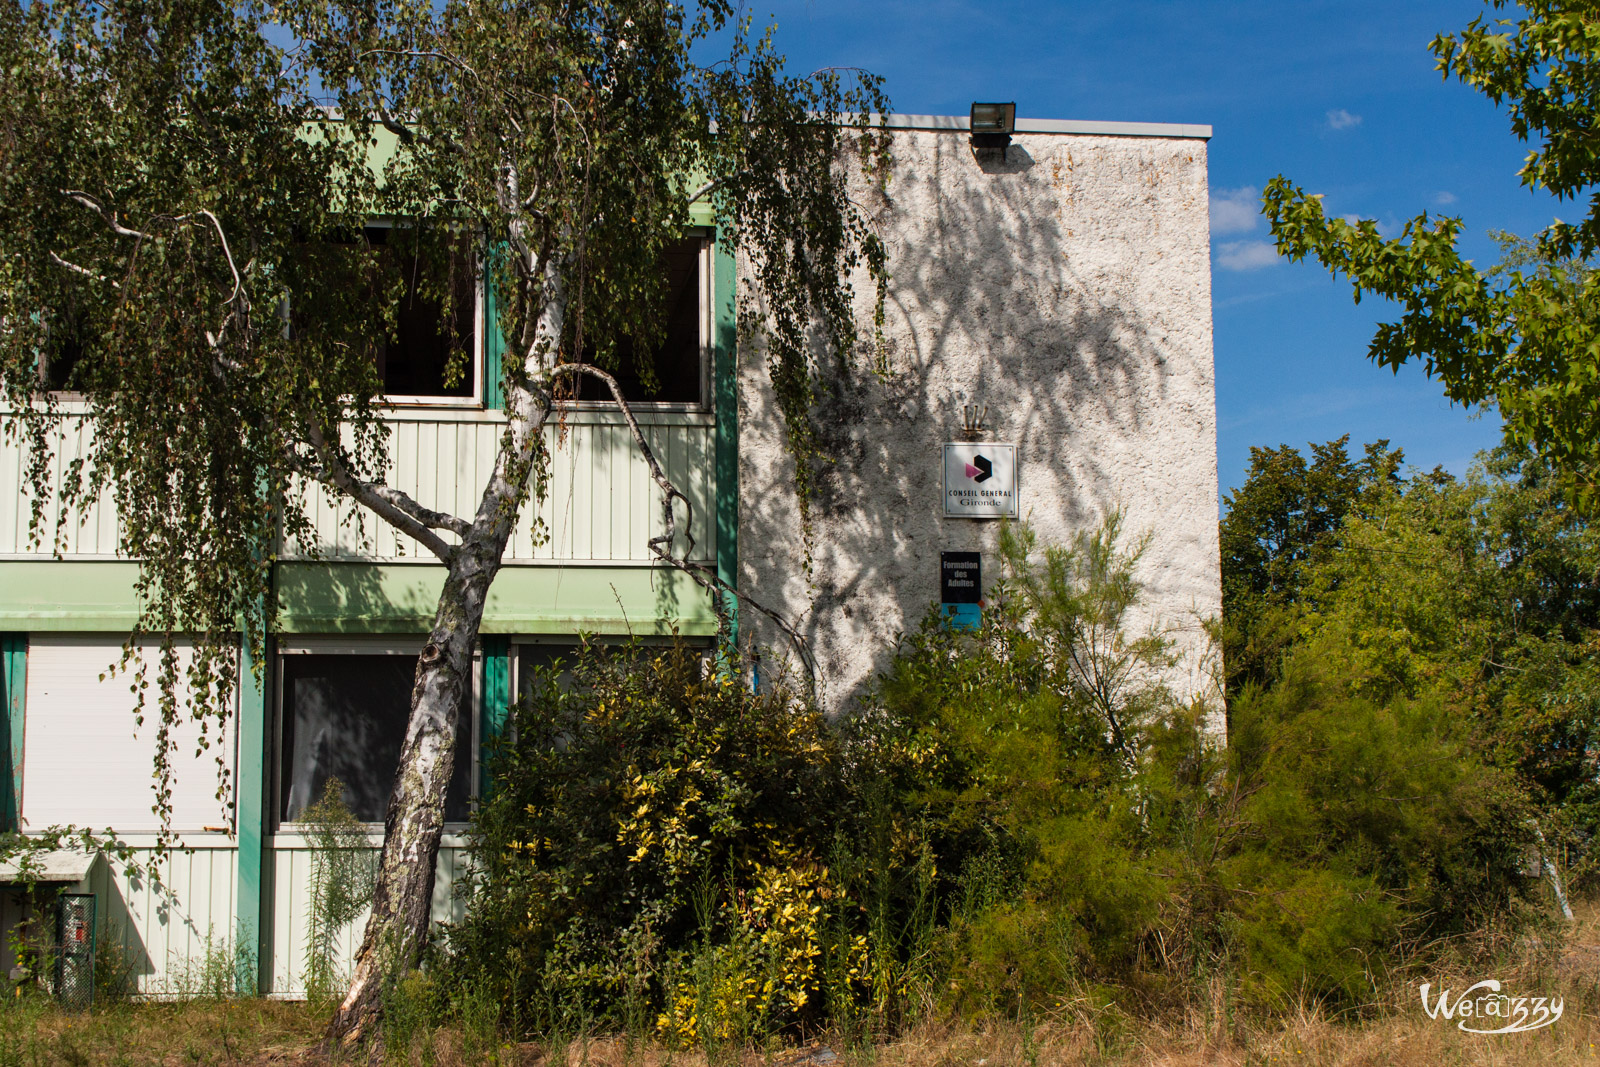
1067 289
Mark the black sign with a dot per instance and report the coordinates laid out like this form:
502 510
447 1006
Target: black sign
960 578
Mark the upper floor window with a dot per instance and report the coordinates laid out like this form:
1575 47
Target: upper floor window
432 353
60 360
415 292
674 371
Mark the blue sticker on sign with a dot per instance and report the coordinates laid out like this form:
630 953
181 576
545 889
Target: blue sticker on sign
961 616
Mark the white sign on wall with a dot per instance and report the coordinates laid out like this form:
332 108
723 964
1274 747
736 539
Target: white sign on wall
980 481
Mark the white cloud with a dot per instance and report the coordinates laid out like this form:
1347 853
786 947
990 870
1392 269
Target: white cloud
1445 198
1235 210
1389 227
1246 255
1340 119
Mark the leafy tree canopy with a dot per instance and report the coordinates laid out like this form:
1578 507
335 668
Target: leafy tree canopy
184 186
1474 596
1288 515
1524 340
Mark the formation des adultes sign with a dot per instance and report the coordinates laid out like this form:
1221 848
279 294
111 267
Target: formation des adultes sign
980 481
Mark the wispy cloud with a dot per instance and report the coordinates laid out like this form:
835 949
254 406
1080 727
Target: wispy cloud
1389 227
1444 198
1304 406
1235 210
1340 119
1245 255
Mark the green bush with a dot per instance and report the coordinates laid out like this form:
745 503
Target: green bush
1089 830
650 818
1364 828
1014 816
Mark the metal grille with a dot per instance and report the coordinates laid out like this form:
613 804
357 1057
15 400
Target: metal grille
75 960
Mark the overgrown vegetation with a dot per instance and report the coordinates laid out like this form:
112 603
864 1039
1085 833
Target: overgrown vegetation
1017 819
342 877
1023 828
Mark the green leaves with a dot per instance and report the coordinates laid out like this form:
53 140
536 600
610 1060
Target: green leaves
180 183
1526 343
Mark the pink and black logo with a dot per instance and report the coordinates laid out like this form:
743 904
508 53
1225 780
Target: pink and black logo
981 469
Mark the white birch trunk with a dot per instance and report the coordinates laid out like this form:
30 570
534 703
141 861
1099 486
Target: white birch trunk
402 898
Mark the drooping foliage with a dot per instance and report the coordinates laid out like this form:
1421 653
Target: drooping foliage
185 194
1522 340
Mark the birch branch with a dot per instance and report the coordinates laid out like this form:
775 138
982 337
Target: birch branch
227 253
393 506
85 271
701 575
94 204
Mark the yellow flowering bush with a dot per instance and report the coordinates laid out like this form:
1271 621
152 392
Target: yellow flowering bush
651 806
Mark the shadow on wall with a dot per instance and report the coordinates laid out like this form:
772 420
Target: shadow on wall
1025 285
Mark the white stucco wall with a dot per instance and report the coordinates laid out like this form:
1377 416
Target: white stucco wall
1068 289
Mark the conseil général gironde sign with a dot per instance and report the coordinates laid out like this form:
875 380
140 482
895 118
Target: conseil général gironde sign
980 480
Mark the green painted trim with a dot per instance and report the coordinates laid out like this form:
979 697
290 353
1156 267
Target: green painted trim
253 970
14 677
725 403
494 712
494 342
321 598
50 594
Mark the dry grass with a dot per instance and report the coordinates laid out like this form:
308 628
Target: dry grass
268 1034
260 1033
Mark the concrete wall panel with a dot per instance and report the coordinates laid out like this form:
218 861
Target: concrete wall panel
1068 290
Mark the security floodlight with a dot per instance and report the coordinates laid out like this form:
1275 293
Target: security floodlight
993 124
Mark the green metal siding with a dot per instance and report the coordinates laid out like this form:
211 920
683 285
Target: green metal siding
14 680
250 822
495 710
402 598
68 595
726 401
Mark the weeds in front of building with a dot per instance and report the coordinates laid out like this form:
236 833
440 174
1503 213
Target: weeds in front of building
1020 823
1020 828
343 872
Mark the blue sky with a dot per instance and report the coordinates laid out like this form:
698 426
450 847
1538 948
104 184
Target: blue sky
1343 98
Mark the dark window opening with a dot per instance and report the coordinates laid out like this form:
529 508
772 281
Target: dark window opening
676 360
431 351
558 660
61 360
345 717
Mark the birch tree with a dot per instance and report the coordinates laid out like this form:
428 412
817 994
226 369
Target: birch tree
183 189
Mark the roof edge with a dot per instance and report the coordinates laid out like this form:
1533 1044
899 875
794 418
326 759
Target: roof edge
961 124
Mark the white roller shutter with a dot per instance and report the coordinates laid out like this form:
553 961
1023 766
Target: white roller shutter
83 759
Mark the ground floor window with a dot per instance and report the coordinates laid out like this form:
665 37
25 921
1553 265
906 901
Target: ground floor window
87 760
560 653
343 715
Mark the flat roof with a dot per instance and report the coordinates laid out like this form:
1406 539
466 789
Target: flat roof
961 124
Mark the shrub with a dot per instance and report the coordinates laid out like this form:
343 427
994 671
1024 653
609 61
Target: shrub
650 817
1015 816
